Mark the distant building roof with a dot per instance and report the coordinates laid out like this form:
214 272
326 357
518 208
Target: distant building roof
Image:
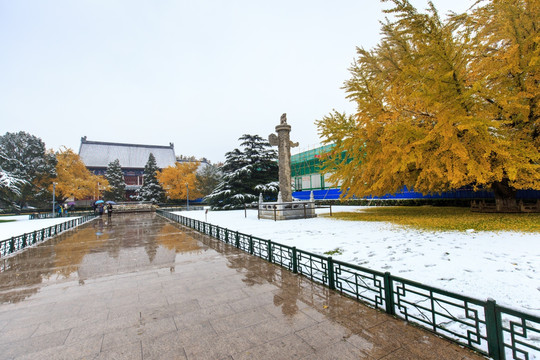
100 154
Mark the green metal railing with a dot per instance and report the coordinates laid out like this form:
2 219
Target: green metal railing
484 326
16 243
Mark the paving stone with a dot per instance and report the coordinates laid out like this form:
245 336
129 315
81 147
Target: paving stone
287 347
89 348
127 351
33 344
166 346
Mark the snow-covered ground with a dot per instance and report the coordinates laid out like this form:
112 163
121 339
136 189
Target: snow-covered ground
504 266
23 225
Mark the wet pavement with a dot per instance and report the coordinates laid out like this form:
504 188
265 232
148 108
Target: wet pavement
141 287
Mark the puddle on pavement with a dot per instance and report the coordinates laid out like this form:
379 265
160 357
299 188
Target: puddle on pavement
103 247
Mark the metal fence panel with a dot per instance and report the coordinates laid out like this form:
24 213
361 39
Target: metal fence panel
313 266
520 334
360 283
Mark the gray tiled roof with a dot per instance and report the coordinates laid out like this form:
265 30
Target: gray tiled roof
100 154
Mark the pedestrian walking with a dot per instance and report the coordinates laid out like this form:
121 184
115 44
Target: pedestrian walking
100 209
109 210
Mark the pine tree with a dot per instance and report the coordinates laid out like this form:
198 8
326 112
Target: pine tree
10 185
24 157
151 189
117 184
245 172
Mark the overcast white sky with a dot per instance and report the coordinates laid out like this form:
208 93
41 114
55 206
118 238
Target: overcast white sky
198 73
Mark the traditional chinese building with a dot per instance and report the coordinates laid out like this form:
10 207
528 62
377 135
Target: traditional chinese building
97 155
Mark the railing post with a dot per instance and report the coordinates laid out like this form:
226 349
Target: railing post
493 330
294 261
23 245
237 240
389 293
251 244
226 236
269 250
12 245
331 277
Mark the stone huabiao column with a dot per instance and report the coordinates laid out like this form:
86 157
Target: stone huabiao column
284 144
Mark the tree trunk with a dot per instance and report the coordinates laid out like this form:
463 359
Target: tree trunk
505 196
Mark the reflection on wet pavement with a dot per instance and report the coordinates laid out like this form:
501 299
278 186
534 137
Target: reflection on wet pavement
140 287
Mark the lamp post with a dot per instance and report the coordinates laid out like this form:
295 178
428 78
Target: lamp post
187 196
53 197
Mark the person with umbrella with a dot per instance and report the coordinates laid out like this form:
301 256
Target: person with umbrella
59 209
109 208
99 204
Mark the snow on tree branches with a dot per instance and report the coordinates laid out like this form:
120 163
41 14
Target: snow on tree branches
27 169
245 173
117 184
151 189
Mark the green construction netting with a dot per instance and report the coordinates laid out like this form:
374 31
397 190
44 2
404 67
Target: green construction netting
308 162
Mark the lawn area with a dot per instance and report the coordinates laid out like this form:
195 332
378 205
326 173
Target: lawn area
3 221
445 218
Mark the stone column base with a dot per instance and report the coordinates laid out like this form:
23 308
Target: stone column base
287 210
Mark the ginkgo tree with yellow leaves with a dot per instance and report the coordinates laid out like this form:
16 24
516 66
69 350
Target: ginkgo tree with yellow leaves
74 179
176 180
443 103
